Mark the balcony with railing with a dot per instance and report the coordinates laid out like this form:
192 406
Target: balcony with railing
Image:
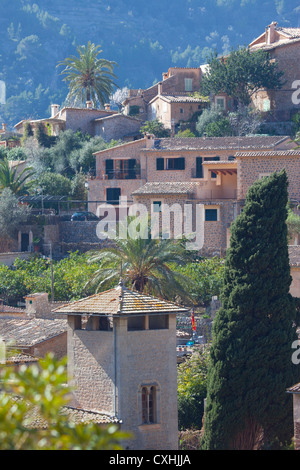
118 174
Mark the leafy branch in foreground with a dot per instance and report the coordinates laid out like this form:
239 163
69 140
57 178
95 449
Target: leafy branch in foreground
33 412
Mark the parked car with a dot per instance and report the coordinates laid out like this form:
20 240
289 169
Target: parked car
84 215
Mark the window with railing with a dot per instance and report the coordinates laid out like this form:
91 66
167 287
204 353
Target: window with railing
122 169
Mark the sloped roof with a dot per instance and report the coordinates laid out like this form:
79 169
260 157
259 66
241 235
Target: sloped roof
27 332
269 153
294 389
176 98
166 188
119 301
254 142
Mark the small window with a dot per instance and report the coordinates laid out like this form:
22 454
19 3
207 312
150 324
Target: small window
149 404
160 164
113 195
181 111
176 163
231 158
158 322
188 84
211 215
136 323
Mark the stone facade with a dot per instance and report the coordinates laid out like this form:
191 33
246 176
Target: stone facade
117 126
283 45
254 165
122 362
220 181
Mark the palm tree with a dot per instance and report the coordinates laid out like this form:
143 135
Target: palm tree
90 78
146 265
16 182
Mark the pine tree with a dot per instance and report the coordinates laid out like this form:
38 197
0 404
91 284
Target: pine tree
253 332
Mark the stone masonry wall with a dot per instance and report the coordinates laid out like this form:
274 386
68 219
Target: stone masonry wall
91 365
250 169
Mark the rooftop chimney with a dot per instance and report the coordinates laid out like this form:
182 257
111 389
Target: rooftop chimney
150 139
4 126
271 33
38 306
89 104
54 109
159 88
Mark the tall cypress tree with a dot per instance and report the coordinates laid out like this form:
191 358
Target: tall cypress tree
253 332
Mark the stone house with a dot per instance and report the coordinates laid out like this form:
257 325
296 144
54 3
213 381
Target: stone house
213 172
122 363
283 45
88 120
170 101
34 330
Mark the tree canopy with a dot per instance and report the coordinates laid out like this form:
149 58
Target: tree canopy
253 332
240 74
89 77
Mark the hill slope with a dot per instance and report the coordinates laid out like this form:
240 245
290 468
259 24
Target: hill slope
144 38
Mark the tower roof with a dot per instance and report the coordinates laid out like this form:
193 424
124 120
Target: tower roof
120 301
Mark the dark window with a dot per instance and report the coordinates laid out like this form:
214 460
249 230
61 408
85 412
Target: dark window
199 167
109 168
113 195
211 215
136 323
231 158
176 163
160 164
149 405
158 322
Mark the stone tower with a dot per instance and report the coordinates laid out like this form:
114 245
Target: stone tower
122 362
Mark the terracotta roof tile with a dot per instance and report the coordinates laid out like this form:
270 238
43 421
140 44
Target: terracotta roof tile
218 143
119 301
270 153
166 188
27 332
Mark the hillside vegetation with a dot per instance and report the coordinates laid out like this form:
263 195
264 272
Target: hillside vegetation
144 38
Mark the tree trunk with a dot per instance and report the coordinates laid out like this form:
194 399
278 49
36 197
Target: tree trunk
250 438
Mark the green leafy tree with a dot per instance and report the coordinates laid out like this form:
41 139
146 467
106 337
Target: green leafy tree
208 116
156 128
219 128
293 224
34 412
241 74
12 214
250 357
207 276
89 77
55 184
192 387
